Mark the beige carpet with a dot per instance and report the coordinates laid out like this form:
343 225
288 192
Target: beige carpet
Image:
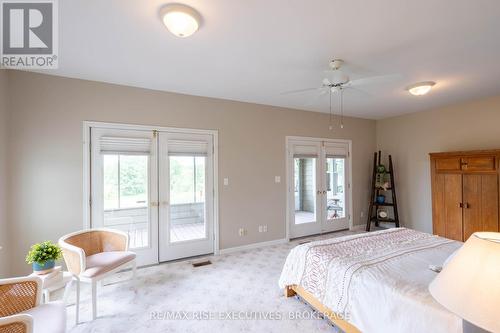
237 293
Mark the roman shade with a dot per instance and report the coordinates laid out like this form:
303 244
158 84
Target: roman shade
183 147
305 151
336 150
113 145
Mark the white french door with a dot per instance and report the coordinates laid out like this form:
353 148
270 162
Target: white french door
186 195
336 186
318 186
124 187
158 187
306 214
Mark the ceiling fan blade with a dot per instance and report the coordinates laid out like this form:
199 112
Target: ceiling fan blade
366 93
326 82
300 91
317 98
381 79
356 69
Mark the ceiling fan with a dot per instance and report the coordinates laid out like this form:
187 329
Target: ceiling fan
337 81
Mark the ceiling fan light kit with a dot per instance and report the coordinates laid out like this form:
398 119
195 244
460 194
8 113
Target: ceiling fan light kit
336 64
180 20
421 88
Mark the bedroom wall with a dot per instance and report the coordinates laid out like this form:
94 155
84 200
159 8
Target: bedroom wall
46 168
4 254
410 138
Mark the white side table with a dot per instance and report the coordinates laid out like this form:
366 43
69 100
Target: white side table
65 283
48 286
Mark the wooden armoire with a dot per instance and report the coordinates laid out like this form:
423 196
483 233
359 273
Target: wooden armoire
465 193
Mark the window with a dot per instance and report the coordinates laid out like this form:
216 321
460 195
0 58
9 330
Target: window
335 178
125 181
305 189
187 198
187 179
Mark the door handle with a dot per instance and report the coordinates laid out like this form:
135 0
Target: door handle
318 192
466 205
154 204
461 205
324 192
164 203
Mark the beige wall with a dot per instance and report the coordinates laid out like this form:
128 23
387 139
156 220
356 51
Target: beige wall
409 138
46 153
4 254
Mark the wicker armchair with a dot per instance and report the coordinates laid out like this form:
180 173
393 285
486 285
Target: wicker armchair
91 255
21 311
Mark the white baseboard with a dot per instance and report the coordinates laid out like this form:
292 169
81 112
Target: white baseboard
252 246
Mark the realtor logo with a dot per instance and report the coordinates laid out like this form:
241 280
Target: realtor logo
29 34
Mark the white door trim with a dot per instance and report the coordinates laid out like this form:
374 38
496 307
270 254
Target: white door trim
289 171
87 125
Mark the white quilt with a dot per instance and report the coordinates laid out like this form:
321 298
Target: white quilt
377 280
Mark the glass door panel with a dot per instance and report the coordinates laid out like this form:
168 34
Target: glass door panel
335 188
305 190
126 199
303 185
187 198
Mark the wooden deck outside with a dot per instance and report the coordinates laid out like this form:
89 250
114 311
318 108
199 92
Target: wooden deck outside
187 223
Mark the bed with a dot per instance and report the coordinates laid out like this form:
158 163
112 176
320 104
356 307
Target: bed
373 282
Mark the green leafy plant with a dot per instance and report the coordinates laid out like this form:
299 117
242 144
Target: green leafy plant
43 252
381 178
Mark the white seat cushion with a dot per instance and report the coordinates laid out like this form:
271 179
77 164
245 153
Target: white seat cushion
100 263
48 318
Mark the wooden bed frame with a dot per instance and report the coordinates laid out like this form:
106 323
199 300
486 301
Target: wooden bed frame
317 305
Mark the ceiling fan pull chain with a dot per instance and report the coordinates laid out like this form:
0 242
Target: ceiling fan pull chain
341 107
331 124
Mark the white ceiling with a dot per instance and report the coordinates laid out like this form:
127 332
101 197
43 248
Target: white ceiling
253 50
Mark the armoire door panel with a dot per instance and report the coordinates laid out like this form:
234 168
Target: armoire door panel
479 163
449 164
438 201
472 204
481 204
489 204
452 206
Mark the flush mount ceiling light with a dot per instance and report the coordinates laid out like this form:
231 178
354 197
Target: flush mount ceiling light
421 88
181 20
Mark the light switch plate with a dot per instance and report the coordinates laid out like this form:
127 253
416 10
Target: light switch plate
226 181
277 179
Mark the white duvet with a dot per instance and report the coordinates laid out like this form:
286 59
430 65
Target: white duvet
377 280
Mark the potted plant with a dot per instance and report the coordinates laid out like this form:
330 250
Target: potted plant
43 257
381 182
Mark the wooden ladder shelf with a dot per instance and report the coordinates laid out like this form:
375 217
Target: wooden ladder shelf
376 192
